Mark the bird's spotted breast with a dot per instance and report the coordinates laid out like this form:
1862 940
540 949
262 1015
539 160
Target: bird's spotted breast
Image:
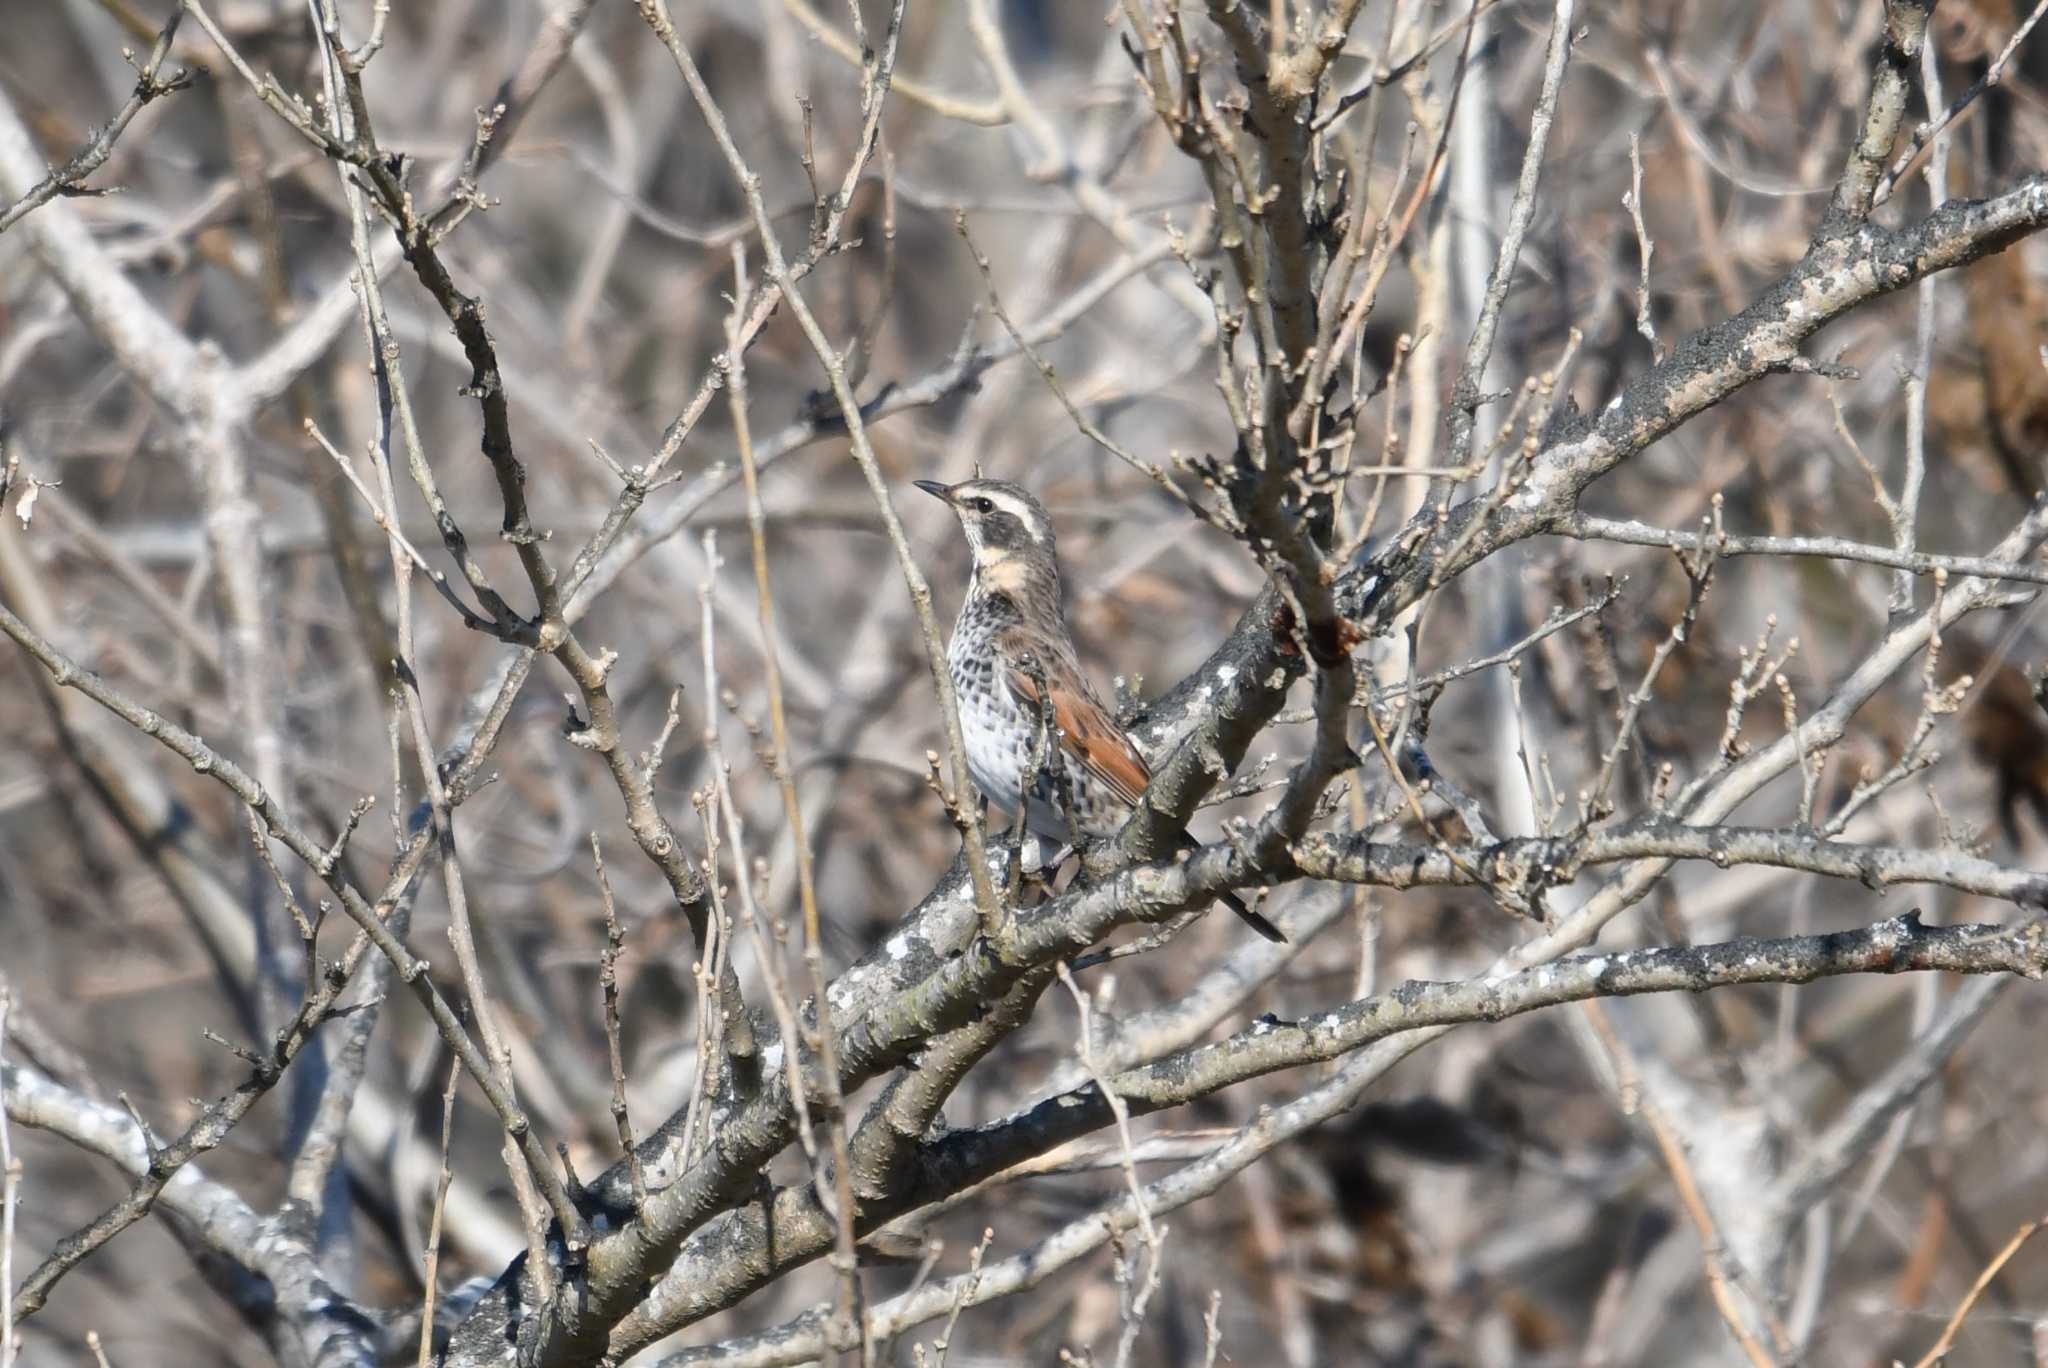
1000 731
1013 667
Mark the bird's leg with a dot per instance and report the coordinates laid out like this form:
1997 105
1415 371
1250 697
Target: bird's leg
1046 873
1014 872
1036 871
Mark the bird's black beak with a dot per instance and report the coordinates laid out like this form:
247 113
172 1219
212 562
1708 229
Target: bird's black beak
935 489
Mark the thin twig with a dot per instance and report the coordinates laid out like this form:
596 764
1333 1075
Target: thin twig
348 125
1946 1342
825 1036
212 1126
988 115
431 1278
1699 574
1148 1234
1588 528
1931 131
655 13
1399 1020
1465 390
69 178
608 985
1633 201
1905 530
752 914
965 1291
277 824
1712 1251
1087 426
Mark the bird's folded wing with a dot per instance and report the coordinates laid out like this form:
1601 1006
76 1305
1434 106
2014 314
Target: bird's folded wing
1082 726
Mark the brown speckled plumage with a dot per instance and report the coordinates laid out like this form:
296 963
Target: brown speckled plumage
1012 660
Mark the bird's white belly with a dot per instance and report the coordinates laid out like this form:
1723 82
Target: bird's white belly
991 736
998 736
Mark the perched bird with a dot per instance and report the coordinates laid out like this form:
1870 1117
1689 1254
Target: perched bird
1010 640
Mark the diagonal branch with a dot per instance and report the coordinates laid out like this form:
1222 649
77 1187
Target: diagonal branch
961 1158
278 825
69 179
1465 390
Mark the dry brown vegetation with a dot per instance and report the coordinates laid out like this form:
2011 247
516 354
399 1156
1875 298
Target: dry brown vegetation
1557 487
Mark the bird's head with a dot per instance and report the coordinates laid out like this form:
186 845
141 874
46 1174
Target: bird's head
1004 522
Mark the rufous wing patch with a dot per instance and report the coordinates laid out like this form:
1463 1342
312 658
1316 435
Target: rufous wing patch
1085 728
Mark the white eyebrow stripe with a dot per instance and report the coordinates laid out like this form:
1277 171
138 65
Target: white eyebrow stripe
1019 510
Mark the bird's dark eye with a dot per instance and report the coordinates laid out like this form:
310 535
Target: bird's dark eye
982 505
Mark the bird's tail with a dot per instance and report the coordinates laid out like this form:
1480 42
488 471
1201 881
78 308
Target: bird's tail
1237 905
1253 919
